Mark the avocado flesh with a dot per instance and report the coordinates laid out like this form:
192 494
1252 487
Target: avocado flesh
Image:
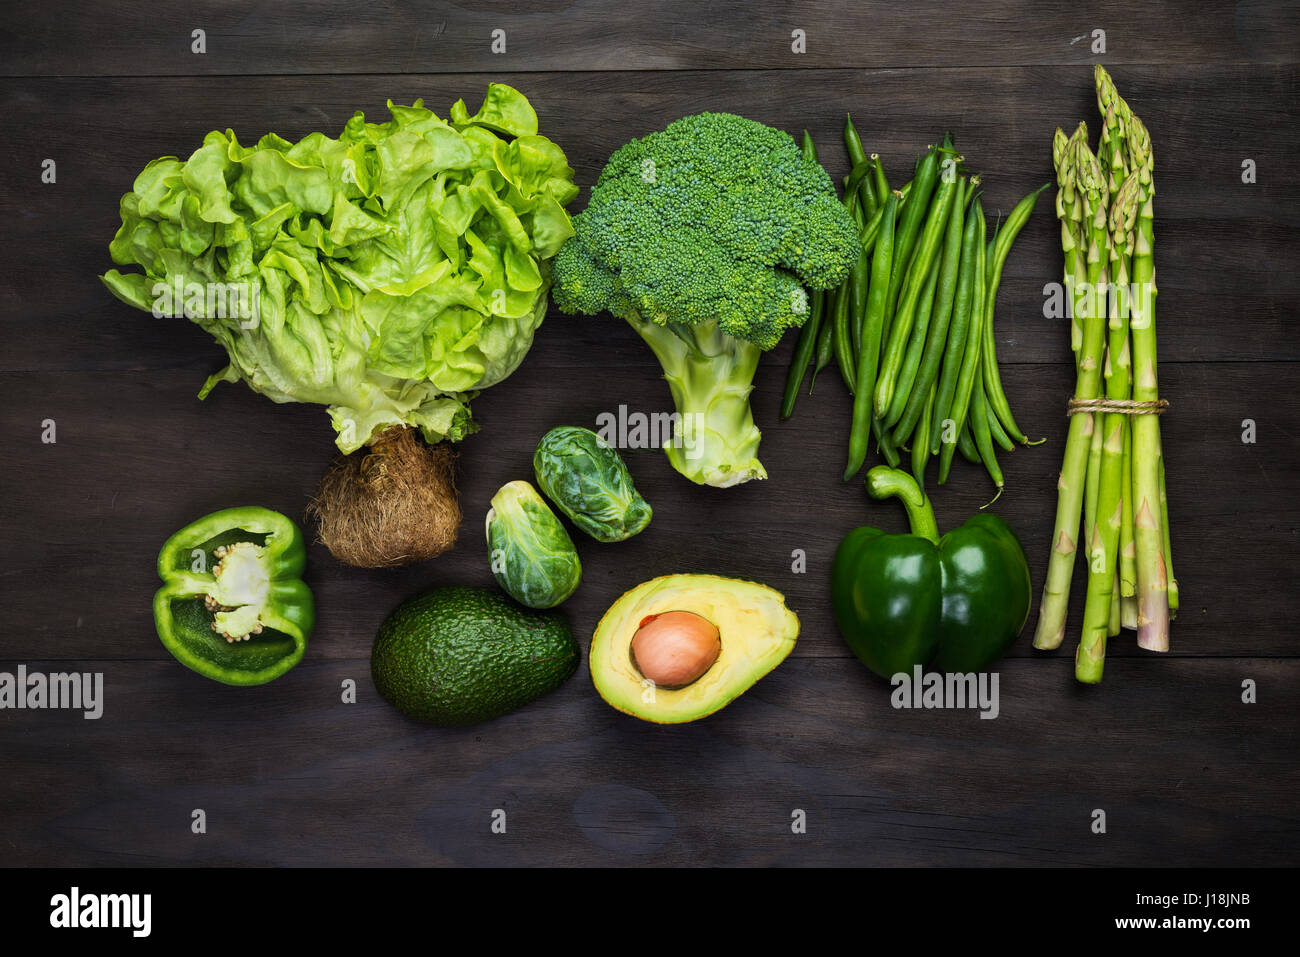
457 656
757 633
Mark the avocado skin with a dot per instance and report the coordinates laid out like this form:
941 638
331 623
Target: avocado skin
457 656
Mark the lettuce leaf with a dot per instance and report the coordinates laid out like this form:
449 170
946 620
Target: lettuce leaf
389 274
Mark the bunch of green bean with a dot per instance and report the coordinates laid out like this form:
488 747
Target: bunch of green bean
911 328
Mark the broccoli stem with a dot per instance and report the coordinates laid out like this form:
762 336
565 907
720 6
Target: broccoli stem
710 375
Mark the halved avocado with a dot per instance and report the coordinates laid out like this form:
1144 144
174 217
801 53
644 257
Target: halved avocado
757 631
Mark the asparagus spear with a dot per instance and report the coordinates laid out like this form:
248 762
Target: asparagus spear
1104 543
1127 550
1152 569
1111 150
1069 211
1092 478
1148 533
1164 525
1112 153
1091 184
1114 626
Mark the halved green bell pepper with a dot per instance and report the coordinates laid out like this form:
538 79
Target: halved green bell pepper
904 600
233 606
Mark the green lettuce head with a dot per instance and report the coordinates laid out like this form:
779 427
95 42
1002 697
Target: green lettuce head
389 274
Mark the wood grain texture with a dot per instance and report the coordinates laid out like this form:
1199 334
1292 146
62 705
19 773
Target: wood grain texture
138 456
310 36
1187 774
287 774
1236 304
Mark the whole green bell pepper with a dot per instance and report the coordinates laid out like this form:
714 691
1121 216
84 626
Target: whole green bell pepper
233 606
904 600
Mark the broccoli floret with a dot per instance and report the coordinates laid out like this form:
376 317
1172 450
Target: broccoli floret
709 230
716 218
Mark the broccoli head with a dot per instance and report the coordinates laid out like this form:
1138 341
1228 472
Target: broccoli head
715 219
704 236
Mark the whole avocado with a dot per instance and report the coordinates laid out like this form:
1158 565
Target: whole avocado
457 655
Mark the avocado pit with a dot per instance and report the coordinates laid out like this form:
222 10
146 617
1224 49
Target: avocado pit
675 648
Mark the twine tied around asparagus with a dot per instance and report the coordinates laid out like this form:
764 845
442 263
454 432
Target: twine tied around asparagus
1119 406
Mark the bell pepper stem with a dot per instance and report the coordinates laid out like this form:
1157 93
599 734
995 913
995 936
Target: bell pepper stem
884 482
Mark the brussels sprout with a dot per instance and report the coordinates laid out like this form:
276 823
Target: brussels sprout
532 556
587 479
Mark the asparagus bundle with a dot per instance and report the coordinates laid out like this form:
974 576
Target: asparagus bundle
911 329
1113 470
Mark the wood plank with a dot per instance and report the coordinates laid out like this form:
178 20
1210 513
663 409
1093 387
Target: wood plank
138 456
1187 774
1220 295
315 36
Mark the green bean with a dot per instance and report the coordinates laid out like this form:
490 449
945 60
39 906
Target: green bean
979 426
869 232
992 378
927 174
937 336
825 340
803 352
921 445
808 147
861 173
996 431
1007 232
918 274
852 142
988 246
966 446
970 363
892 303
823 349
999 434
955 348
867 196
888 450
857 283
857 156
863 271
915 345
878 286
843 338
882 182
858 280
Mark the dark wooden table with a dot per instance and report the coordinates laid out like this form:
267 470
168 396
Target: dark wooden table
1186 772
